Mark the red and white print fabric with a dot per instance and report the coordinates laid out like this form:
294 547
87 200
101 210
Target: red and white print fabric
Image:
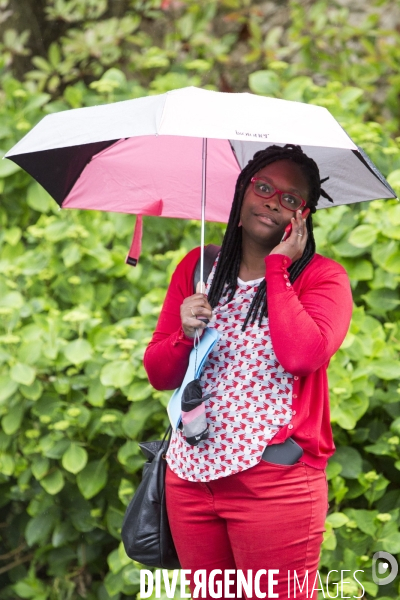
251 396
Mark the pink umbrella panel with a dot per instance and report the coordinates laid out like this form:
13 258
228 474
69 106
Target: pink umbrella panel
159 176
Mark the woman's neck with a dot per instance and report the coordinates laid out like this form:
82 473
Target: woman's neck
252 265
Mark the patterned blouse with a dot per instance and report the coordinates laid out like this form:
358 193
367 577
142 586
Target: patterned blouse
251 395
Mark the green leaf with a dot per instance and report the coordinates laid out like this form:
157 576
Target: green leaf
75 459
57 450
134 421
380 449
32 392
350 94
132 575
344 248
63 533
337 519
53 482
365 520
114 583
38 199
118 559
8 387
382 299
7 167
92 479
363 236
30 351
393 263
358 269
11 422
350 460
71 255
22 373
372 589
115 75
385 369
394 180
13 300
296 88
264 82
39 528
139 391
7 464
13 235
117 374
114 518
54 55
37 102
40 467
96 393
350 410
329 540
32 588
391 543
78 351
333 469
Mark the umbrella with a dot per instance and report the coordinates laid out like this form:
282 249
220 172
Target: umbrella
159 155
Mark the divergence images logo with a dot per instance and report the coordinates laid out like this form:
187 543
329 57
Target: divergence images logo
380 565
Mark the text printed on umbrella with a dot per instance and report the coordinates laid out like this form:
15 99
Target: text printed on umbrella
255 135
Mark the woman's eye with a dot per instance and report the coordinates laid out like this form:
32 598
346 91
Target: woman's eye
289 199
263 187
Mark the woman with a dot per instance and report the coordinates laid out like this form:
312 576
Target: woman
282 312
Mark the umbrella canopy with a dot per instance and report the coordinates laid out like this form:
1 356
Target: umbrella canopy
144 156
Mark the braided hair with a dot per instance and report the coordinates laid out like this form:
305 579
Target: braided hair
227 270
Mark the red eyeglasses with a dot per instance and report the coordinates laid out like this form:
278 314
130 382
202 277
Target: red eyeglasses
266 190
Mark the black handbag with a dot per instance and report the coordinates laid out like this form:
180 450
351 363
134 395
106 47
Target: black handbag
145 530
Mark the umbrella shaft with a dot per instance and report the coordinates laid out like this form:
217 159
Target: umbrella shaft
203 210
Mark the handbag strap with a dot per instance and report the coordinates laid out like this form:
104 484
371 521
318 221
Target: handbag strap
167 436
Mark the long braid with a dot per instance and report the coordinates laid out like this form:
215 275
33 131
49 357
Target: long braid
228 266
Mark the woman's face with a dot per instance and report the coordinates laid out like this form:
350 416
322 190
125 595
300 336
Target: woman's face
264 220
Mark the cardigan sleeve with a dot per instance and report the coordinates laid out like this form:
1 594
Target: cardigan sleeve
167 356
308 320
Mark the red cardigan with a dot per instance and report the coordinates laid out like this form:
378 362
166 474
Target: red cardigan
308 322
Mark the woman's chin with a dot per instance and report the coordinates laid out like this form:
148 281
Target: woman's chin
267 243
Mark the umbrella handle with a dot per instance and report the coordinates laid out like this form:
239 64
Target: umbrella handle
201 289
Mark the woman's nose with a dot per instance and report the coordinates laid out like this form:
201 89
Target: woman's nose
272 202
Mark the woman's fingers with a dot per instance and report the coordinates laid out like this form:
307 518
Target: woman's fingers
193 309
197 303
299 235
300 228
295 244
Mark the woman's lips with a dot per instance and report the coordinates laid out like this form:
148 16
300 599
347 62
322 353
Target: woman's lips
266 218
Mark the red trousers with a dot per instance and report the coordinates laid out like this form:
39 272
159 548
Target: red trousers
267 517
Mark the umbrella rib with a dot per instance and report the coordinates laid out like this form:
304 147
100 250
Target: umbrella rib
365 159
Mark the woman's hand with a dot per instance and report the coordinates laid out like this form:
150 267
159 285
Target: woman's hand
193 307
294 246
